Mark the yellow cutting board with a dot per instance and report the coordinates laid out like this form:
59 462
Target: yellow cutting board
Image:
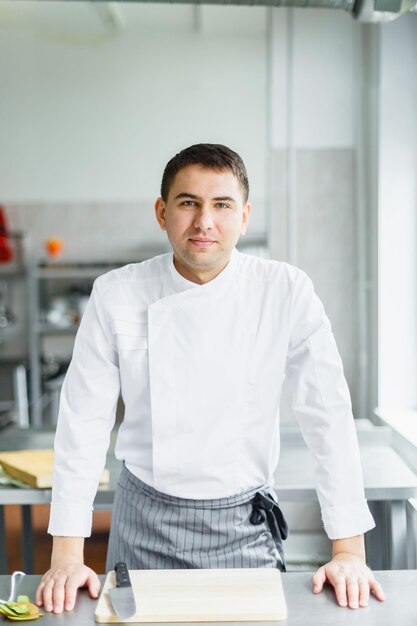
200 595
33 467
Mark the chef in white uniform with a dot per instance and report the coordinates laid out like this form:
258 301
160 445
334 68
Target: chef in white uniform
198 342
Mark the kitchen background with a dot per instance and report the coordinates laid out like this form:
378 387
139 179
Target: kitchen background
322 109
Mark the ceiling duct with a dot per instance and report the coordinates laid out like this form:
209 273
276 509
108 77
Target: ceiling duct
374 11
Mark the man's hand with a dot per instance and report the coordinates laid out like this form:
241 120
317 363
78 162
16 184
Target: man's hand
348 573
351 578
58 588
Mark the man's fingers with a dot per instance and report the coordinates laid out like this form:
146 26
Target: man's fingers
58 593
78 580
48 594
93 584
377 590
339 584
39 594
318 580
352 588
363 592
71 589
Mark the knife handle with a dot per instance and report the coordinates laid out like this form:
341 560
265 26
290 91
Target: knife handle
122 575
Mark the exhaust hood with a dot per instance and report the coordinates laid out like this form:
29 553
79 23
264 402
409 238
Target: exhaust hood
373 11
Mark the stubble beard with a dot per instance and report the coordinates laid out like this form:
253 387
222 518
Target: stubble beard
202 261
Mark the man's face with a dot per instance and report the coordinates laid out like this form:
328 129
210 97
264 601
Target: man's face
204 216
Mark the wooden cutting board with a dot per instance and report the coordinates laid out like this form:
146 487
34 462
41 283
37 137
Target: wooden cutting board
33 467
200 595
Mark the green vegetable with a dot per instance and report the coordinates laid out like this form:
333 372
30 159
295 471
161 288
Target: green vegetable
22 610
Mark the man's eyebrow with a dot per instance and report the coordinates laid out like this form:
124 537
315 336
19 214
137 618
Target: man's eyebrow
224 198
194 197
186 195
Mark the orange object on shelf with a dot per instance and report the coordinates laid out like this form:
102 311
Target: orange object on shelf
54 247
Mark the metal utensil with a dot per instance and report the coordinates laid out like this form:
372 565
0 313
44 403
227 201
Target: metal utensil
14 583
122 597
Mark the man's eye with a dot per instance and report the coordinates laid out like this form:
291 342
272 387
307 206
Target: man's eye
188 203
222 205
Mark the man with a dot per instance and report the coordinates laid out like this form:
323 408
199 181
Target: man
199 341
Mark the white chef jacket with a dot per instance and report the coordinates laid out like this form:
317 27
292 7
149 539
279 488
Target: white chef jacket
200 369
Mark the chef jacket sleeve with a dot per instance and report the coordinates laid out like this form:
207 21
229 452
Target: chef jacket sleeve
322 407
86 417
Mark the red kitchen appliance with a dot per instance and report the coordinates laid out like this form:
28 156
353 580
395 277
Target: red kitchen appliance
6 249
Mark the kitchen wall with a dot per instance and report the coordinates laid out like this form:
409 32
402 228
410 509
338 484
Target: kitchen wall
93 114
315 56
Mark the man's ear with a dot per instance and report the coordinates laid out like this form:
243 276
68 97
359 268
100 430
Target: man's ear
160 213
245 221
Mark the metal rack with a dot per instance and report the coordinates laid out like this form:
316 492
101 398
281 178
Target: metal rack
41 277
14 359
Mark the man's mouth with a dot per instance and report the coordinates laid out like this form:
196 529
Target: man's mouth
202 242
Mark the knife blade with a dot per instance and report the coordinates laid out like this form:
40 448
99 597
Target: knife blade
122 597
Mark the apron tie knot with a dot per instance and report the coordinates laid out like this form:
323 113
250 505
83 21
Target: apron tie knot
265 508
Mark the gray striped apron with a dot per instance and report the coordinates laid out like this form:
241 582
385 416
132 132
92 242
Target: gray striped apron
153 530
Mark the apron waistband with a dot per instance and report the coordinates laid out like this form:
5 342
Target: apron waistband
129 478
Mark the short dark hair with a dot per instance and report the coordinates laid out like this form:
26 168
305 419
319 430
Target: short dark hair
211 155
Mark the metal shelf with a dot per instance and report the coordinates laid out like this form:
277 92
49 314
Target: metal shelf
9 358
54 329
6 274
67 273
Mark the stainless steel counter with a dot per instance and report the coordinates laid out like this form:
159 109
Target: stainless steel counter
304 607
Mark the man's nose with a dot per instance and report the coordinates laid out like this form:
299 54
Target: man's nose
204 219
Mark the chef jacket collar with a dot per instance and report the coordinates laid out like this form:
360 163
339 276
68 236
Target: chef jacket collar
183 283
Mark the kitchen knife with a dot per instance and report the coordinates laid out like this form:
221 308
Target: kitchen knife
122 597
